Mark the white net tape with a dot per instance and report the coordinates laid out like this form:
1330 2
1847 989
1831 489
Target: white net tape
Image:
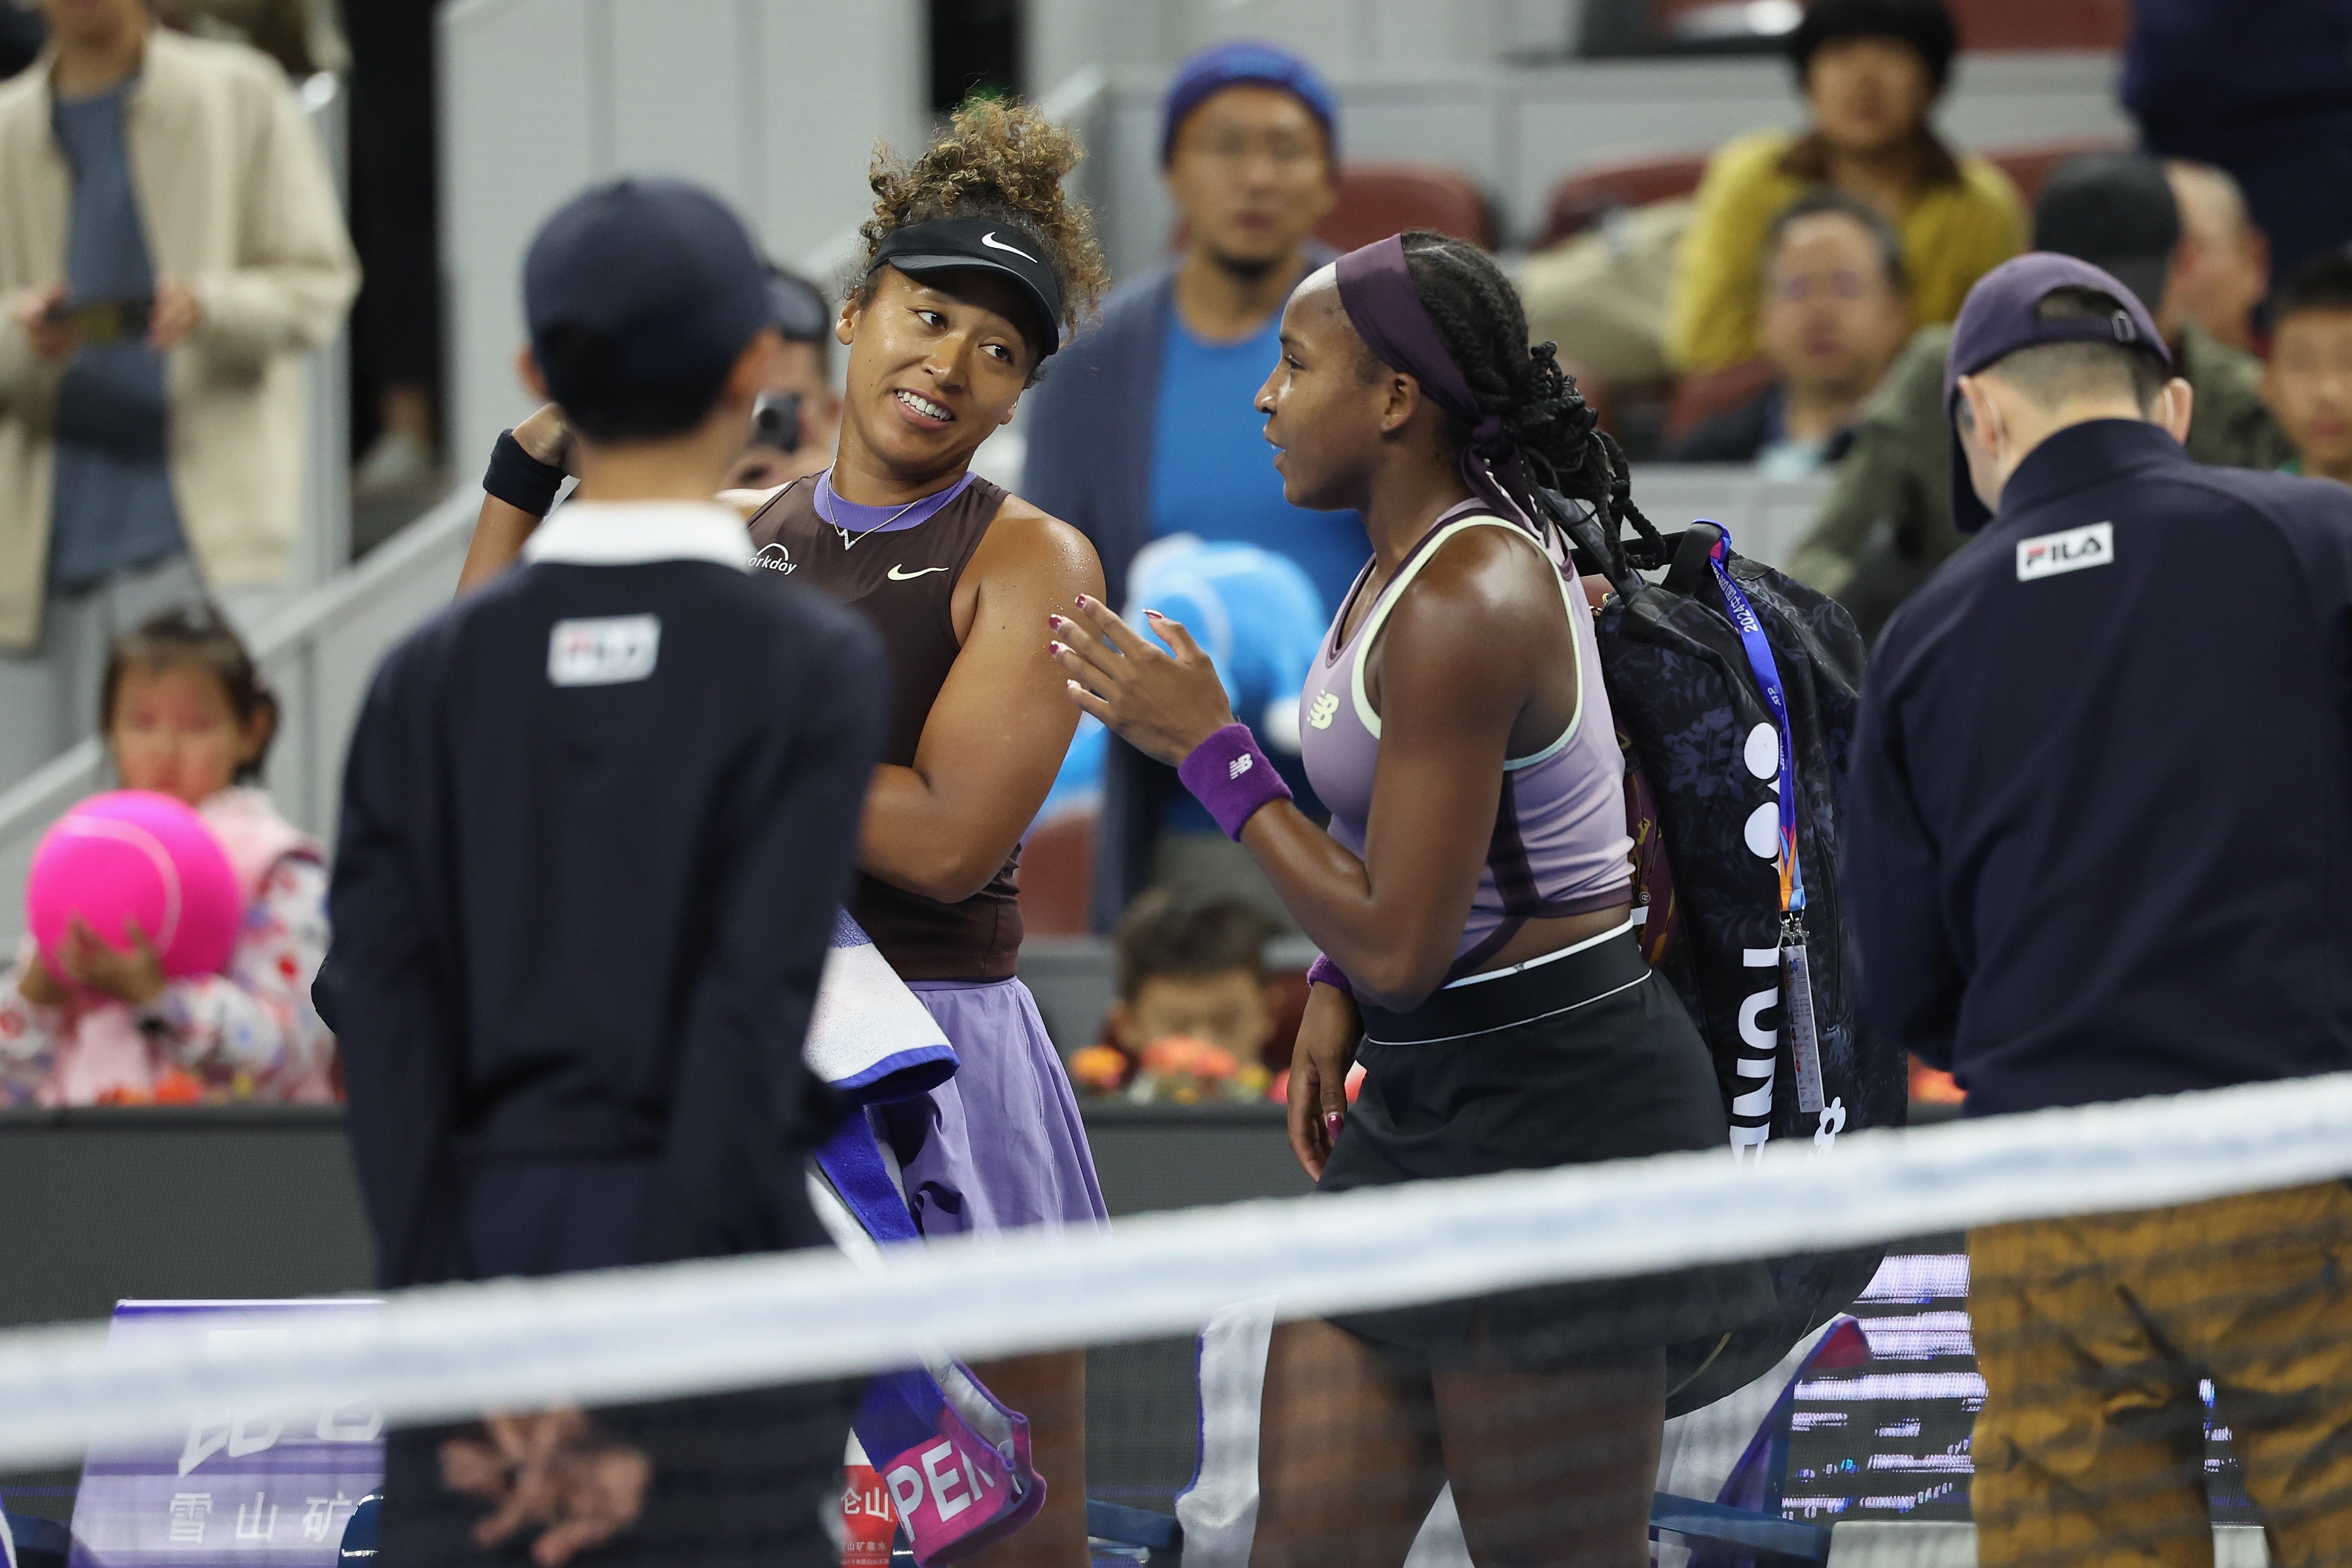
693 1328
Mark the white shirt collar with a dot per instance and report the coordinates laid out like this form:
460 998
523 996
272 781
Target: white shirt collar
631 533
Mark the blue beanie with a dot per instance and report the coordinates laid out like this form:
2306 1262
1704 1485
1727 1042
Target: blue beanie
1222 65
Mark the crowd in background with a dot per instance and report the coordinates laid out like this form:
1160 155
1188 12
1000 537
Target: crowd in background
1801 297
162 284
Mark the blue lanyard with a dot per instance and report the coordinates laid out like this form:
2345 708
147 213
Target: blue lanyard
1768 677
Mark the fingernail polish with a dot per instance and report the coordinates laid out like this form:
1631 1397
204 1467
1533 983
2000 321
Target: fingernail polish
1332 1123
1055 622
1155 615
1084 601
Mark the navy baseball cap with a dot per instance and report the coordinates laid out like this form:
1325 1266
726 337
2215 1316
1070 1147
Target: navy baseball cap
2002 315
663 268
1245 62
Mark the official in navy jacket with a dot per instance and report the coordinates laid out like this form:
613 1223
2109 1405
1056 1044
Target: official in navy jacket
581 901
2100 847
2100 835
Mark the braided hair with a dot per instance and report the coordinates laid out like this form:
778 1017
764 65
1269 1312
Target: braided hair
1484 327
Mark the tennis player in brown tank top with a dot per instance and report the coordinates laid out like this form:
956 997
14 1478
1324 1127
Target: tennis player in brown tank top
974 264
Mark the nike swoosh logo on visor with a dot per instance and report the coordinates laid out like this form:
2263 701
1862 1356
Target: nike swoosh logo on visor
993 242
900 574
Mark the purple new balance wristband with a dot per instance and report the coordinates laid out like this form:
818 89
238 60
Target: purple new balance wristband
1323 972
1229 775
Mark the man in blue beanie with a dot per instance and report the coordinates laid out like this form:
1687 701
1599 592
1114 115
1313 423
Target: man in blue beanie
1148 428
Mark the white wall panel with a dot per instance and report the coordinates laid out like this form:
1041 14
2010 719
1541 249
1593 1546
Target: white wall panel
2002 99
680 97
1136 219
519 130
1428 119
774 104
1422 36
1336 35
839 77
1571 115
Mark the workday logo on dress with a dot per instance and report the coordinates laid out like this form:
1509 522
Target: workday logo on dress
2073 551
775 558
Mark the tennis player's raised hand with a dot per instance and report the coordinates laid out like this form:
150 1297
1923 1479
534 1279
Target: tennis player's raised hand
1161 704
547 437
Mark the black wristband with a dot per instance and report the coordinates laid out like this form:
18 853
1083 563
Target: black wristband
521 480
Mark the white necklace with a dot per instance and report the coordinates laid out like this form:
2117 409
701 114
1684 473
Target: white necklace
848 541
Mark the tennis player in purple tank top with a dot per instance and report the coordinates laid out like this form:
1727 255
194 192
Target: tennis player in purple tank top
1472 897
974 266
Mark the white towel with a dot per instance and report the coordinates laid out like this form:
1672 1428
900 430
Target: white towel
869 1037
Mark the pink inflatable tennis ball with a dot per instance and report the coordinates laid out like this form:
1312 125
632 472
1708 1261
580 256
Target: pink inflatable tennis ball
135 854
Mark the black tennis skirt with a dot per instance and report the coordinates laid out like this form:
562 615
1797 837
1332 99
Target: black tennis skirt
1585 1057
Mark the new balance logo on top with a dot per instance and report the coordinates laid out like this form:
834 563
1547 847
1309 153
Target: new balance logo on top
1239 766
774 557
2073 551
1326 709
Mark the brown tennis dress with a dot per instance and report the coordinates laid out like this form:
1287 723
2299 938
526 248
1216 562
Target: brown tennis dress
1001 1144
905 581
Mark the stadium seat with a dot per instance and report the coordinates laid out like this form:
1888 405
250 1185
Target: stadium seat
2042 23
1701 397
1677 26
1585 195
1116 1522
1058 876
1377 200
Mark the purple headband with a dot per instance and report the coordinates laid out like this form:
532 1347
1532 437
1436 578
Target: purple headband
1376 291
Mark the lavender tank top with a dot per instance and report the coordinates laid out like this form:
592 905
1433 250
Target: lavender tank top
1559 844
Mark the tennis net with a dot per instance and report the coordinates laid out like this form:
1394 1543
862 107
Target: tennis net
2150 1292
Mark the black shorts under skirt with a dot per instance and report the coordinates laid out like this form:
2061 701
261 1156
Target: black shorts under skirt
1589 1057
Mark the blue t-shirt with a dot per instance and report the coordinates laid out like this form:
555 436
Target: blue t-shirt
1213 475
112 507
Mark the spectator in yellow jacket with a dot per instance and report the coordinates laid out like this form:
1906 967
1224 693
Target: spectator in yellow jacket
1870 70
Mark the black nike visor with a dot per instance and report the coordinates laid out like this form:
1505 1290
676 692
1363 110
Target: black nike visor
983 245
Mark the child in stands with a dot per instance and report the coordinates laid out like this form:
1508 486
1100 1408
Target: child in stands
2308 381
1193 968
184 714
1193 998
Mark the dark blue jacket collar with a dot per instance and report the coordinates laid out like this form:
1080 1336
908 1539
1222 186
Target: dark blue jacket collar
2081 456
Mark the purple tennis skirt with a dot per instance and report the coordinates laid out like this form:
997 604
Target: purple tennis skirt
1000 1145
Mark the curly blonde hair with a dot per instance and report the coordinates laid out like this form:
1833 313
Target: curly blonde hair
997 161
